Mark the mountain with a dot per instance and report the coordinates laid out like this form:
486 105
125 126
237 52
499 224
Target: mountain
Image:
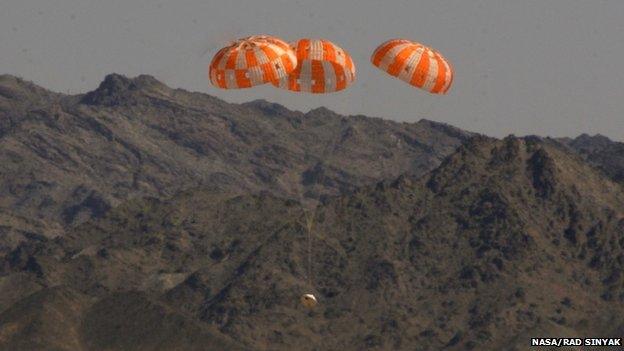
503 241
602 152
71 158
59 318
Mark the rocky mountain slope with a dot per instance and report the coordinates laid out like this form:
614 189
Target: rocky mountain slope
59 318
602 152
505 240
66 159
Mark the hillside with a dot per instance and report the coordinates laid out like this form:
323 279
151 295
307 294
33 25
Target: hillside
61 319
67 159
505 240
605 154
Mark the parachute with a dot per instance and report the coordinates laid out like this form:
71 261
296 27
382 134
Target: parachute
415 64
323 67
320 66
252 61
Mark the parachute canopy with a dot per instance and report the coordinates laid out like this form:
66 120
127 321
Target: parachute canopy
415 64
323 67
252 61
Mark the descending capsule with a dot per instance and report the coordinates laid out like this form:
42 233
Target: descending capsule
252 61
308 300
323 67
415 64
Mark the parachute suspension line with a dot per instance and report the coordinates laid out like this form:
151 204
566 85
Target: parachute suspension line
310 214
309 231
251 41
308 299
309 217
309 226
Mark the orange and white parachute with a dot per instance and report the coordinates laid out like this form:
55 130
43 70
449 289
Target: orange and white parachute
415 64
252 61
323 67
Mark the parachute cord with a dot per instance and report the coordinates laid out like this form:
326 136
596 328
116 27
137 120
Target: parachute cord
309 252
310 218
308 227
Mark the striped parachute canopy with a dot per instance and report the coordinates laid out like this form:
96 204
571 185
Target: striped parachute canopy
415 64
323 67
252 61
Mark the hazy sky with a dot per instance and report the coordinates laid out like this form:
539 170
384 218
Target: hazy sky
547 67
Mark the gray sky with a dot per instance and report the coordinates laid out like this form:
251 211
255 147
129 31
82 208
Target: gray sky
547 67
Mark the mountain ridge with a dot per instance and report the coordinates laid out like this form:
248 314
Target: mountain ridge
73 157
